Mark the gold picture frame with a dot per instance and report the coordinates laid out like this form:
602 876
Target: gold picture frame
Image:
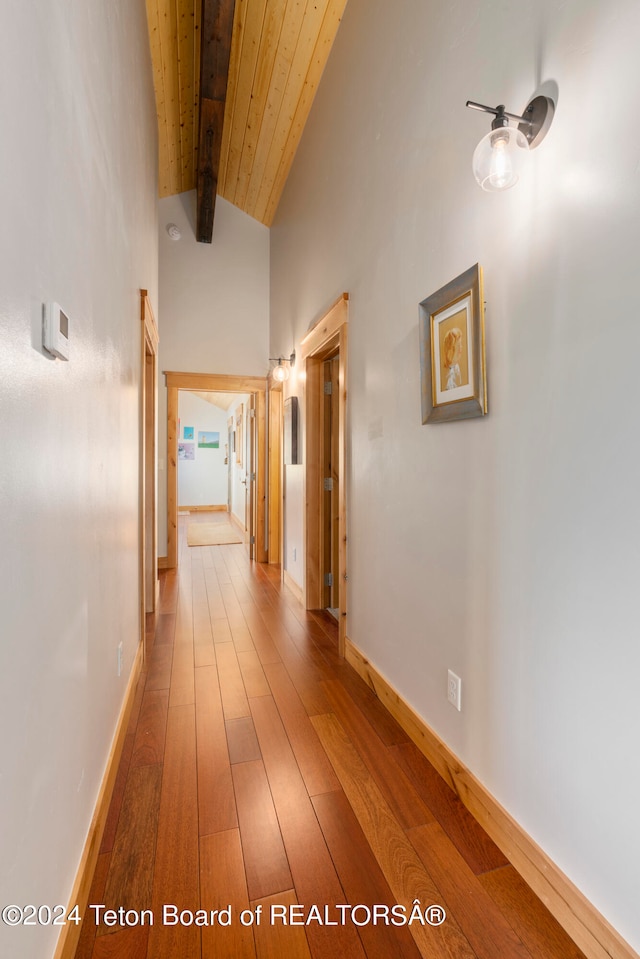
452 355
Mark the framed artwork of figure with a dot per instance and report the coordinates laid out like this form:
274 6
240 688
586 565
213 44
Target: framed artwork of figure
452 360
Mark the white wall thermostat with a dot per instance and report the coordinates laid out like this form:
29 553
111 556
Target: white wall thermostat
55 330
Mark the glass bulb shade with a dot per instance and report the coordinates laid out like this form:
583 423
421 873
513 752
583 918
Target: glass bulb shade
499 159
280 373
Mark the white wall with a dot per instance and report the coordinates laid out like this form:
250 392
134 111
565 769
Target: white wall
214 304
78 187
504 548
202 481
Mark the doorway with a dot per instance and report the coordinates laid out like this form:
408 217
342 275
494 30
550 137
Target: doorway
275 534
203 461
255 386
330 531
148 419
324 351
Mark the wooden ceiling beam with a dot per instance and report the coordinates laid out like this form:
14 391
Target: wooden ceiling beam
215 52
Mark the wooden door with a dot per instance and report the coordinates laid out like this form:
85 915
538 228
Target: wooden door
331 483
325 340
231 456
251 475
275 466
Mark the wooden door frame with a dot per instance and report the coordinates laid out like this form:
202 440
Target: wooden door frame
216 383
327 337
250 515
148 461
275 487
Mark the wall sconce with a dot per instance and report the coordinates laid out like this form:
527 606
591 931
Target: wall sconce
280 373
501 154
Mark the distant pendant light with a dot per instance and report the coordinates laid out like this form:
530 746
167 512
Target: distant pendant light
501 156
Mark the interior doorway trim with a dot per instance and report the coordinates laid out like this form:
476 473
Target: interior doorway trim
221 383
148 473
275 530
326 338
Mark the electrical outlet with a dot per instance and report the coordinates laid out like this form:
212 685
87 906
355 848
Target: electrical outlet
120 651
454 690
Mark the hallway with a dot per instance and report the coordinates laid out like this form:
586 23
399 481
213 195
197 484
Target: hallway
260 771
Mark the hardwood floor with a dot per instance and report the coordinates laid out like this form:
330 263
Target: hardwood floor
261 777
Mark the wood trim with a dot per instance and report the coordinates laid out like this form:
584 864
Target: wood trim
217 382
324 328
579 918
291 584
215 508
275 473
149 321
172 477
148 527
148 452
327 337
70 934
163 562
342 490
261 466
237 522
312 528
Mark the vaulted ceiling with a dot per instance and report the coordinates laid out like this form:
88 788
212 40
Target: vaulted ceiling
278 51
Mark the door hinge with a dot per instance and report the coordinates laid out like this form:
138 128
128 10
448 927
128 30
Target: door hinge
328 388
328 579
328 484
252 477
252 413
252 540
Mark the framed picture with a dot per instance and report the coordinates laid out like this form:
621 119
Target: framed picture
186 451
291 431
208 440
452 364
239 423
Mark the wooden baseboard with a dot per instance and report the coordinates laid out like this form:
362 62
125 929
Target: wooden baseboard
70 934
578 917
163 562
291 584
215 508
237 522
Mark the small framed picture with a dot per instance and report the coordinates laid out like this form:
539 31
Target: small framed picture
186 451
452 360
208 440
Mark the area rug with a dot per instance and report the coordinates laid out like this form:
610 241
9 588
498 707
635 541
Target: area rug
212 534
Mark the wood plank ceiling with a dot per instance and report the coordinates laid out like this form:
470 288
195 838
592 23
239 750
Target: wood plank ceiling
279 49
